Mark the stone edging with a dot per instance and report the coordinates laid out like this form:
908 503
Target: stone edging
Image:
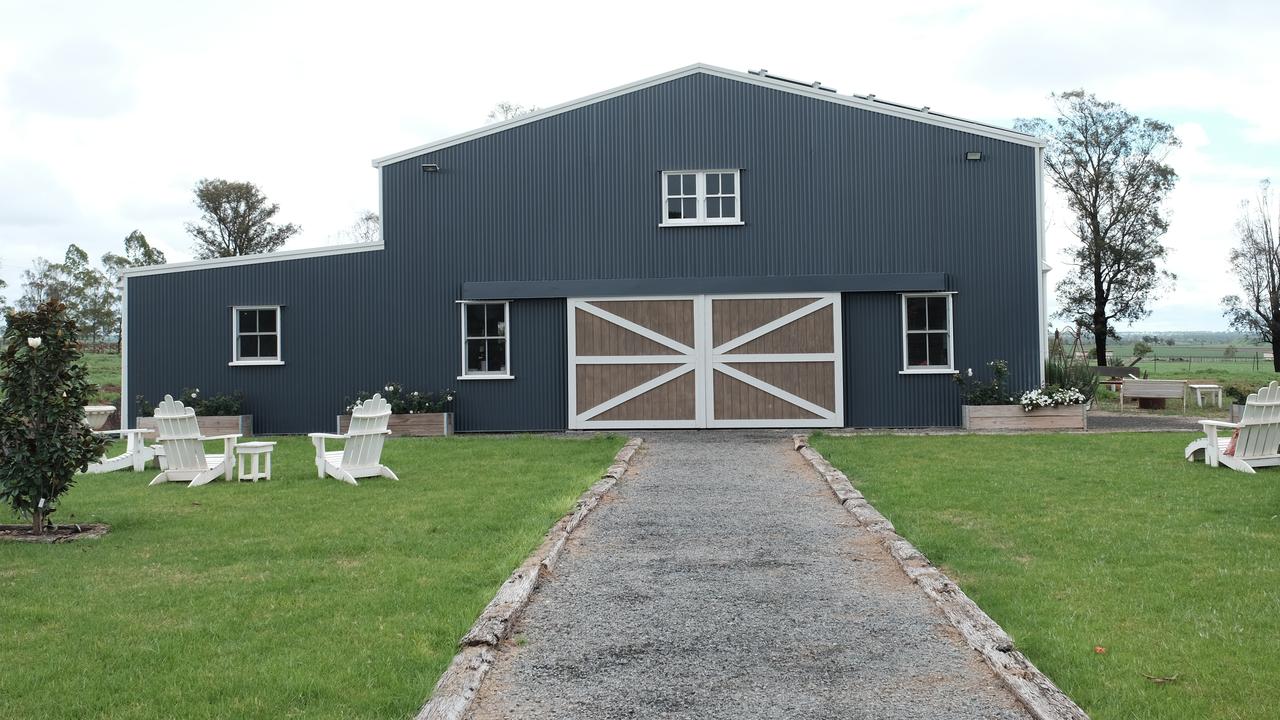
461 681
1033 688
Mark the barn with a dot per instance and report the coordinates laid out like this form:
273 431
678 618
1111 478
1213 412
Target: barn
704 248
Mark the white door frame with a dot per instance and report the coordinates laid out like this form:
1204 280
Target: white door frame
704 360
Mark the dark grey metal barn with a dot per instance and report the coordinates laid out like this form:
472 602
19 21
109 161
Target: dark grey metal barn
703 248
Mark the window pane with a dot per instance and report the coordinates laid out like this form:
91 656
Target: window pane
915 313
673 184
937 348
475 320
248 321
937 313
248 347
673 209
690 208
267 346
497 360
266 321
496 320
690 184
713 207
475 355
917 349
713 184
726 183
728 207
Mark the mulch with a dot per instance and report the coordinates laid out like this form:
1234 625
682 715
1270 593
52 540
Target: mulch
56 534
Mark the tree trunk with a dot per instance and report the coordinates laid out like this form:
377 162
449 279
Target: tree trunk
1275 351
1100 343
37 522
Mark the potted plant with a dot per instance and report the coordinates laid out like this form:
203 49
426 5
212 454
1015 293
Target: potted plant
990 406
219 414
413 413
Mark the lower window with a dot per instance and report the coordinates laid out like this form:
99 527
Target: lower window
485 347
926 332
257 335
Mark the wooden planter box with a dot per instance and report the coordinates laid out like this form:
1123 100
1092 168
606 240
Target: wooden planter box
1013 417
209 425
415 425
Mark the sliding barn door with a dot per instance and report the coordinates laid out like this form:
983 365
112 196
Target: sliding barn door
705 361
775 361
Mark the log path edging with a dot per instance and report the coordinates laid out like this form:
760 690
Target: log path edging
1033 688
460 682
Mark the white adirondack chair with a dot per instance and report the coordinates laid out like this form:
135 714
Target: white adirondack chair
1258 442
361 456
185 459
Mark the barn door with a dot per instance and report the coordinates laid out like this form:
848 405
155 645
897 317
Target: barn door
705 361
633 363
775 361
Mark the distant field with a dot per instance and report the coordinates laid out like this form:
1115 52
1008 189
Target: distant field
104 371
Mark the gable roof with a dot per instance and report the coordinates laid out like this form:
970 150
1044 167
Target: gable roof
816 90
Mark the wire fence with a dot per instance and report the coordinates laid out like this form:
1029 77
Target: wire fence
1256 360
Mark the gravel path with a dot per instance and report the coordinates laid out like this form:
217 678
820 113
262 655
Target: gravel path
722 580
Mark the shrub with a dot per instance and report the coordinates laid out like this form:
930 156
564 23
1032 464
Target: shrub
44 440
978 392
407 403
220 404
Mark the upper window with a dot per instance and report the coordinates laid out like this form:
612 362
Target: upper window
257 334
926 323
704 197
485 350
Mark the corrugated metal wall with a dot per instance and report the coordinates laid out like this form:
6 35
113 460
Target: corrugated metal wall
826 189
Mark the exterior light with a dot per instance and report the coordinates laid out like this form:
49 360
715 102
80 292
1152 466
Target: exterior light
973 155
430 167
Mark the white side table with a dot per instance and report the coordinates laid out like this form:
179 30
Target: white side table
254 450
1214 391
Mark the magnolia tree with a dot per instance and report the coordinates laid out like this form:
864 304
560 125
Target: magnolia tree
44 440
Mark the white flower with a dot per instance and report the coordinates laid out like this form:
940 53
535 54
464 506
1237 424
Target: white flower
448 398
415 393
193 396
387 388
970 372
34 342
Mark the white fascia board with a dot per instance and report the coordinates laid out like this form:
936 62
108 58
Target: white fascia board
885 108
279 256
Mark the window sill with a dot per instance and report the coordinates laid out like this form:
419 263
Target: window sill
486 377
929 371
700 224
251 363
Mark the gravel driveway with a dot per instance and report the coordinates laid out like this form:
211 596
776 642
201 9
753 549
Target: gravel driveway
722 580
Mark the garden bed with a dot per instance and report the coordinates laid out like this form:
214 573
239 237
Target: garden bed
1013 417
210 425
56 534
411 424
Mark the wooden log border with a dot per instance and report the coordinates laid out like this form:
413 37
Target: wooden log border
1032 687
460 682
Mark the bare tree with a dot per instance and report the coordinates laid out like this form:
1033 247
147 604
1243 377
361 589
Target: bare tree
1255 261
509 111
236 219
366 229
1111 166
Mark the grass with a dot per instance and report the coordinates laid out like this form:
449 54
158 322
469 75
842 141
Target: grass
104 371
295 597
1110 540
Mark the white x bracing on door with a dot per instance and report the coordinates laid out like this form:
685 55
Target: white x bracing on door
705 361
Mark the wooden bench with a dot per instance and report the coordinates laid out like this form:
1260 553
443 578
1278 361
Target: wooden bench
1114 375
1167 389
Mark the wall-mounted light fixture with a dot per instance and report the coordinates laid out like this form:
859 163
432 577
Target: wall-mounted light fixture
973 155
430 167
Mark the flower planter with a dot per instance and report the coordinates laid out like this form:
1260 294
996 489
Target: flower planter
411 424
1013 417
97 415
210 425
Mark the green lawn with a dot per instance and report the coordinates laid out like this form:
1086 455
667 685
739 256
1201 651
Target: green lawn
297 597
104 371
1110 540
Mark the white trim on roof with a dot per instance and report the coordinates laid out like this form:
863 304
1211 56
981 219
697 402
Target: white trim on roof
919 115
278 256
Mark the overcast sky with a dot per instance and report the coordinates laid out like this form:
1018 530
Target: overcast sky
110 112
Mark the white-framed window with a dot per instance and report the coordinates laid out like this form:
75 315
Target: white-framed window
701 197
486 335
255 335
926 333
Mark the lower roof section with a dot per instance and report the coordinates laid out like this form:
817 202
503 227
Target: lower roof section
620 287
